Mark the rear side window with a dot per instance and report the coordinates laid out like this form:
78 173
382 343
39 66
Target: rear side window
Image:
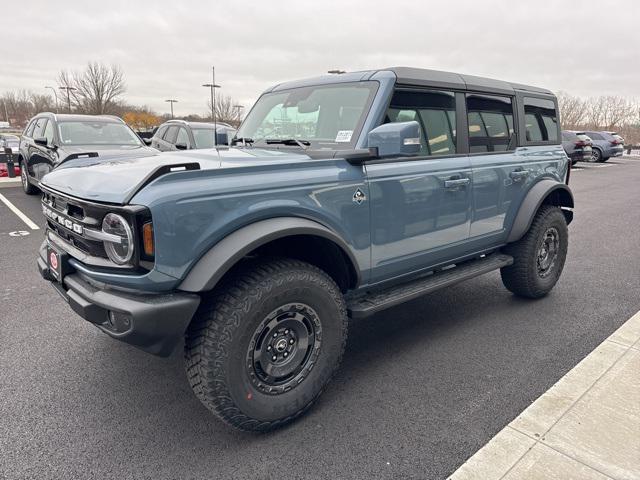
540 119
595 136
436 114
490 120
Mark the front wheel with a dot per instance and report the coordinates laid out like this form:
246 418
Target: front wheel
264 345
28 188
539 256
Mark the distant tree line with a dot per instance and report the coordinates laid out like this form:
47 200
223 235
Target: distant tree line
607 112
99 90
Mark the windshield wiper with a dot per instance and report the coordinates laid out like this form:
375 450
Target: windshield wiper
288 141
242 140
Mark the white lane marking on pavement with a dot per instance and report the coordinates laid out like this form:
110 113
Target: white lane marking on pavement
19 233
20 215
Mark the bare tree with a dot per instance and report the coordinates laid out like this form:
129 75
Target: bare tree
227 110
96 89
573 110
19 107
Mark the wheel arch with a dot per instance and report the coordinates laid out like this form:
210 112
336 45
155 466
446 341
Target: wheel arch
545 192
283 236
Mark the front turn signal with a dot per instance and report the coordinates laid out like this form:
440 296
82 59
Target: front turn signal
147 239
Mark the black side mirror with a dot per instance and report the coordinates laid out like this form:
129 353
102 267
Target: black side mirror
181 146
42 141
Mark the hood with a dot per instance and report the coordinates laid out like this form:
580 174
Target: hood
105 151
115 179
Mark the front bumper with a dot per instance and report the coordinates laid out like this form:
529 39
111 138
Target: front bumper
154 323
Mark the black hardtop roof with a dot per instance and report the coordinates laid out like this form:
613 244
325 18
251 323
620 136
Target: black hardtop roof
440 79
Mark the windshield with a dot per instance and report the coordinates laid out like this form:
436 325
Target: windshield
203 137
327 116
96 133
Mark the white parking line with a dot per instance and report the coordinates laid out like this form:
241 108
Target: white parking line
20 215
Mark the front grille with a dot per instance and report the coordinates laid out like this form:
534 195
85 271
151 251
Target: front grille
69 219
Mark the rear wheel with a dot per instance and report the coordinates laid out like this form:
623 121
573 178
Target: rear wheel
28 188
596 155
539 256
262 348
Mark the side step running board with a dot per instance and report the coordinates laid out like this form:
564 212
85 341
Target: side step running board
364 305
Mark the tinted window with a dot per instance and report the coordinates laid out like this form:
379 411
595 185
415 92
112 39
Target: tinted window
436 113
183 137
172 133
490 123
541 120
595 136
48 132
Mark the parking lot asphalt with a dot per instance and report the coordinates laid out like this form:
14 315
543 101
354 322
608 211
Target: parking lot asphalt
422 386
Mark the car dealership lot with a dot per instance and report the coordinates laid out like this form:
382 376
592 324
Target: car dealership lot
421 387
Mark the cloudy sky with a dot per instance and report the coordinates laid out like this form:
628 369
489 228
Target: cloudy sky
166 48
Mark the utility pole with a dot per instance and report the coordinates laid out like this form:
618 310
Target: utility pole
6 114
171 101
213 87
68 89
55 94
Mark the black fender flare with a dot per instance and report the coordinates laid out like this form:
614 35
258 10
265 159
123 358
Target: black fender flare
220 258
536 196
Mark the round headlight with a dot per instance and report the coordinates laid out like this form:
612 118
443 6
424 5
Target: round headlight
119 252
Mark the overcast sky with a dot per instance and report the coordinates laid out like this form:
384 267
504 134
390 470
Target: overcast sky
166 48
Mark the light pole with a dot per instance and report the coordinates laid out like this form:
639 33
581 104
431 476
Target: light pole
171 101
68 89
6 114
55 94
213 87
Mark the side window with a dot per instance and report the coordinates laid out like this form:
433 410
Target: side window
541 120
28 132
490 120
48 132
161 131
436 114
183 136
172 133
38 130
595 136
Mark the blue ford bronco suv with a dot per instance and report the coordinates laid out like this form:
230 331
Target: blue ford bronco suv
340 196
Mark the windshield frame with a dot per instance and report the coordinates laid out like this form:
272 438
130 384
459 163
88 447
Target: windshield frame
316 144
127 127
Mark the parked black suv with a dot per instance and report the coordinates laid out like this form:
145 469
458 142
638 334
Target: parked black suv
577 145
51 139
183 135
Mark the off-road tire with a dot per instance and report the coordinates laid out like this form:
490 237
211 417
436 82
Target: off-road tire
523 277
222 335
27 187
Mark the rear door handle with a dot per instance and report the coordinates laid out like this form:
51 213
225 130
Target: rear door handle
455 182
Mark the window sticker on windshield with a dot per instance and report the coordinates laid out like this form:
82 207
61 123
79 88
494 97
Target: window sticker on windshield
344 136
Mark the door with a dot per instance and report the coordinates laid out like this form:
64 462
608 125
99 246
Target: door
40 158
420 206
499 174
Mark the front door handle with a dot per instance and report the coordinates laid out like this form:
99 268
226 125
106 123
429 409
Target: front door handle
455 182
519 174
